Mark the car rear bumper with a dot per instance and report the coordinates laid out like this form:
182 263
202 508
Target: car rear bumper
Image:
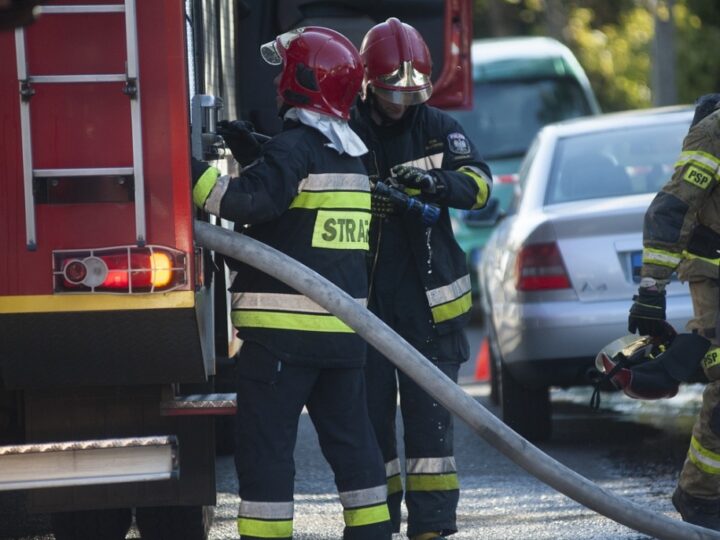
556 342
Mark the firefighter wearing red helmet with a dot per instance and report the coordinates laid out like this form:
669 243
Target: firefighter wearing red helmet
420 285
682 234
308 196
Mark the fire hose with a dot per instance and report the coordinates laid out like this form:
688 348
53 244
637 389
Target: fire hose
443 389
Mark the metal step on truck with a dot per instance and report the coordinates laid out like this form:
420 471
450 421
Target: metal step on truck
115 343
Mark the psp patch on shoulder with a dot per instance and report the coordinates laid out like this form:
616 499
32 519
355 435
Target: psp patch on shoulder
458 143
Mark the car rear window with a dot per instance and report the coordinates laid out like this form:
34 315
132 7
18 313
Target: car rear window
625 161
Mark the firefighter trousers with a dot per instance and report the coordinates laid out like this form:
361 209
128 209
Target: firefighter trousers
700 476
431 487
270 399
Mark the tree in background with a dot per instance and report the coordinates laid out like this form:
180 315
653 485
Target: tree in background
616 43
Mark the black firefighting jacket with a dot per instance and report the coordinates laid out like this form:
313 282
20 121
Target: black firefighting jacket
431 140
313 204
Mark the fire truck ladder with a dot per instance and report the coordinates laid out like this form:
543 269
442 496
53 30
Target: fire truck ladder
131 88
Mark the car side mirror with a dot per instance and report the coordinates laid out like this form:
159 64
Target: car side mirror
488 216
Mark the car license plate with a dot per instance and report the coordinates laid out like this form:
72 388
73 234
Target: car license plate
636 265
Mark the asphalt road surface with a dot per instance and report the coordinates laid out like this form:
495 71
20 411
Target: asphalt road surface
633 449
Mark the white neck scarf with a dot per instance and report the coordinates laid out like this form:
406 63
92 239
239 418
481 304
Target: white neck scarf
342 138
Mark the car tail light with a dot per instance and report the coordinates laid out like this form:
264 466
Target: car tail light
540 267
506 179
125 269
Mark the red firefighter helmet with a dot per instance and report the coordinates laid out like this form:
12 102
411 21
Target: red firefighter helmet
322 70
397 63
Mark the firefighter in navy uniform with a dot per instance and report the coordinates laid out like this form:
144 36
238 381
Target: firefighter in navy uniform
309 197
682 233
419 282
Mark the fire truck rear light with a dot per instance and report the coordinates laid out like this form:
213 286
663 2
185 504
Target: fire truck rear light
124 269
75 271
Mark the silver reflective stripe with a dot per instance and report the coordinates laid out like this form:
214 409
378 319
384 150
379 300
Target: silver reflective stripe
280 302
448 293
266 510
335 182
212 203
433 161
661 258
392 468
439 465
363 497
701 158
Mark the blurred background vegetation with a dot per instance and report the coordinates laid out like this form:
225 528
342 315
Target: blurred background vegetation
637 53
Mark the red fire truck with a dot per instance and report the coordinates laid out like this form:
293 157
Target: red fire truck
111 318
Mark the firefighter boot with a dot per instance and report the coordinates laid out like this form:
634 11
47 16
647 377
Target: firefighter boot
703 512
428 536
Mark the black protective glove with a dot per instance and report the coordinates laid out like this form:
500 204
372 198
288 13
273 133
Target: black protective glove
647 314
241 139
198 169
416 178
381 205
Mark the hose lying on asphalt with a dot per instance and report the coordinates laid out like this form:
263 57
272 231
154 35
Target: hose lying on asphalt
443 389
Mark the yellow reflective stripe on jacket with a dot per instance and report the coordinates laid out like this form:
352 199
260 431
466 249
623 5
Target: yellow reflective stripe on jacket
341 230
288 321
704 459
354 200
482 182
280 302
357 517
432 482
705 160
661 257
451 300
688 255
204 185
333 190
264 529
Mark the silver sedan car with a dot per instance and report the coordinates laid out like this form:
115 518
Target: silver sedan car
558 274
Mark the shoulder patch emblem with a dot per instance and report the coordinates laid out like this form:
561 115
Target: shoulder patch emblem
458 143
697 177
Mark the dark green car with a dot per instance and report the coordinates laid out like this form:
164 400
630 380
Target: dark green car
519 85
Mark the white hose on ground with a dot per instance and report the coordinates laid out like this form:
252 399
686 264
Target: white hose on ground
443 389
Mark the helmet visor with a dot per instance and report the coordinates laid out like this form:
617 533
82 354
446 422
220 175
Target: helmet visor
403 97
273 51
626 345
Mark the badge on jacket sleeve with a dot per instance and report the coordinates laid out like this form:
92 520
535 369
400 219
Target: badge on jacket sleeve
458 143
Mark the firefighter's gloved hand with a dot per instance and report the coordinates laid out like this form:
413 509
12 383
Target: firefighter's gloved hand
416 178
381 205
240 138
647 314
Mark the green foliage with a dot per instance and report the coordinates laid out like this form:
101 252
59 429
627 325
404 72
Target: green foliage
613 40
615 56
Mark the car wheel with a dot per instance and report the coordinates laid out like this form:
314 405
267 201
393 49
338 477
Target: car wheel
525 409
494 372
173 522
92 524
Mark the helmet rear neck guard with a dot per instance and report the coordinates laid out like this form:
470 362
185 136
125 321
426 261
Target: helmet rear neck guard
322 70
397 63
